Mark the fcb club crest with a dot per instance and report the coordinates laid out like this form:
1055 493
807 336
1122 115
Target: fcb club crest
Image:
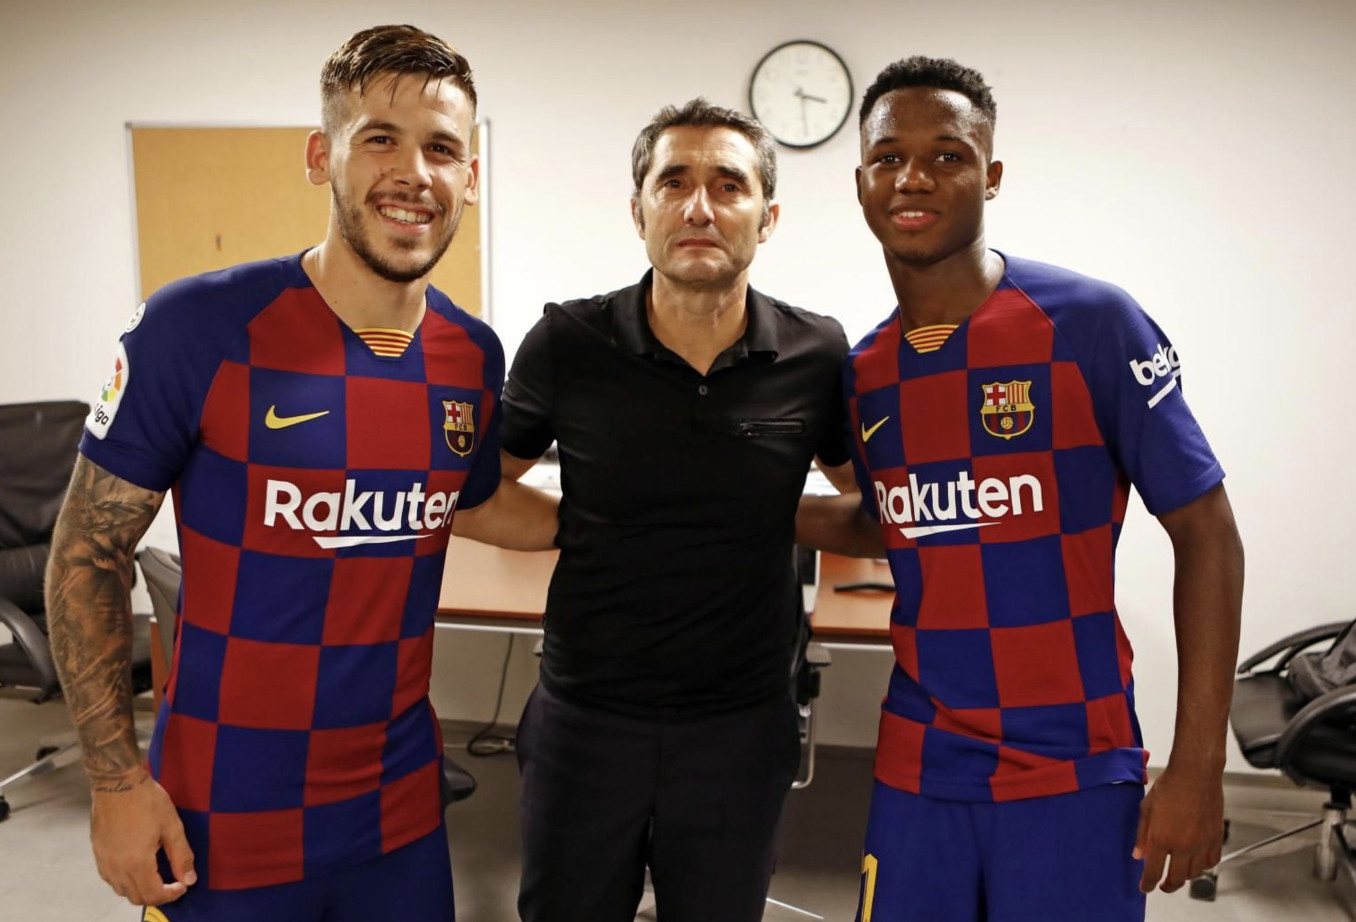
459 426
1007 410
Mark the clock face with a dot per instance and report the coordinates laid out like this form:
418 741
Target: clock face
801 91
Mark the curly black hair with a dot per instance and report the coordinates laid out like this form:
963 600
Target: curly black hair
938 73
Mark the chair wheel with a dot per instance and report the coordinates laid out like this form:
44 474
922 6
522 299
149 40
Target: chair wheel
4 809
1203 887
44 752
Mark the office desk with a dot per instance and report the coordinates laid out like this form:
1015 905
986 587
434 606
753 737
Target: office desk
491 589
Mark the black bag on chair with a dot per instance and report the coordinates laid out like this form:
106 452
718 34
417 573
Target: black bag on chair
1314 674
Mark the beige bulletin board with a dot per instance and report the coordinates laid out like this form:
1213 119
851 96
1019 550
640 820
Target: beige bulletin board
208 198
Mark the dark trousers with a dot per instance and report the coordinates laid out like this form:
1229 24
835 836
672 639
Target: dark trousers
698 801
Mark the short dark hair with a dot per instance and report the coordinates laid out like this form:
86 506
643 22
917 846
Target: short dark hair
935 73
380 50
698 113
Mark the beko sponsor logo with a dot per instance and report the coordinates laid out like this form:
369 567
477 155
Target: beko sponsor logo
1151 372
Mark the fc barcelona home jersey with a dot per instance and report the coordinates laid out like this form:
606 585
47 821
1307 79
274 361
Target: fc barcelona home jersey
999 467
314 484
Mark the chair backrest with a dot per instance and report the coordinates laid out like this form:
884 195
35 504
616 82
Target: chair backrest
163 574
38 447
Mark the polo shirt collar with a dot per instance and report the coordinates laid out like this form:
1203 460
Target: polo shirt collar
631 325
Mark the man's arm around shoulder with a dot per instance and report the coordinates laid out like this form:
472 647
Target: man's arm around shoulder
89 618
516 516
837 524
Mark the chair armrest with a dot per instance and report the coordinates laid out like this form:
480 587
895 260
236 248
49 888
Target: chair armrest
817 656
1334 703
22 570
34 643
806 682
1291 645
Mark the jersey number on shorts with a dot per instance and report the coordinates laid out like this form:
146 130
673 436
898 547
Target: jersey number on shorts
868 886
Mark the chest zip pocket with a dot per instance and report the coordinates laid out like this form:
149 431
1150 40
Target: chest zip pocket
755 428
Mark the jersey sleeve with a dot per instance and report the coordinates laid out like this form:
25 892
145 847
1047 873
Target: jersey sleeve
1135 377
146 418
528 394
483 478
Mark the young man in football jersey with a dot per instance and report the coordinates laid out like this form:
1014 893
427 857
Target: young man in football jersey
1001 414
320 419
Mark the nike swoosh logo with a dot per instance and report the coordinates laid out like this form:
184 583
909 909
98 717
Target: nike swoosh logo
867 433
356 540
273 421
922 530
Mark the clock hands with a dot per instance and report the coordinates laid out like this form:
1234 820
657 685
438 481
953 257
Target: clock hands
804 115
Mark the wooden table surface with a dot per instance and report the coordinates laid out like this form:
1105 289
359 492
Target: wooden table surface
491 583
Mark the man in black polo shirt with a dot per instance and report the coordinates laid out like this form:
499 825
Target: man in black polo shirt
686 410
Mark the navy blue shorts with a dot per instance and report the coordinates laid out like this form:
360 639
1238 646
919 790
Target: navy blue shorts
1064 858
412 883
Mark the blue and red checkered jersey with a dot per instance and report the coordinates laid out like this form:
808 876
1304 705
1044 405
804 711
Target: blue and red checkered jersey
999 467
314 485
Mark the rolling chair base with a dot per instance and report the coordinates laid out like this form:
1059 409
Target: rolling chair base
62 751
47 759
1331 853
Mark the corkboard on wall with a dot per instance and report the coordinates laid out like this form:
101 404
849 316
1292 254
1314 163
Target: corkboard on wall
208 198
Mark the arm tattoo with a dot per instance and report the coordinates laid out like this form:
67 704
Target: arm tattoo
89 615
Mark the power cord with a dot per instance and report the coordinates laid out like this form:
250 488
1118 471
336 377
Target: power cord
485 742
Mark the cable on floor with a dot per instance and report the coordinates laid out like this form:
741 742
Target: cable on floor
485 742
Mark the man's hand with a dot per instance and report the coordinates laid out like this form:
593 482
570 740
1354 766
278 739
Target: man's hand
837 523
1181 825
129 822
1181 822
89 621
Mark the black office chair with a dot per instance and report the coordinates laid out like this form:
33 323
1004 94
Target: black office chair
37 453
164 575
810 660
1309 736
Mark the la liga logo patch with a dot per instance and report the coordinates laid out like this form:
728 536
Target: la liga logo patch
110 397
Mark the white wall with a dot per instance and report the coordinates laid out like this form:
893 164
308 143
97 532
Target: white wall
1193 152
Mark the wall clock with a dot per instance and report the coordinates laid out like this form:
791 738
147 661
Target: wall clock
802 92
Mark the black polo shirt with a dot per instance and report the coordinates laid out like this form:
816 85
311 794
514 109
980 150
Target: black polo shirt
674 595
